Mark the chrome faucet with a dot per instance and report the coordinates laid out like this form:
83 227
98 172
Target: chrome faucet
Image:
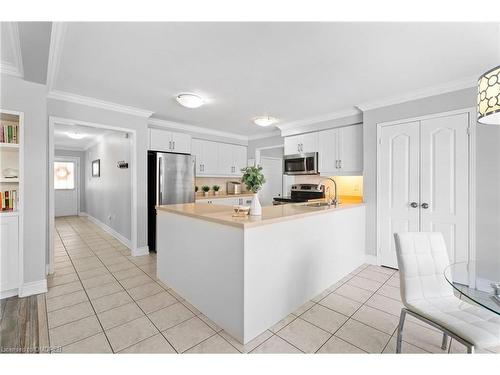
331 202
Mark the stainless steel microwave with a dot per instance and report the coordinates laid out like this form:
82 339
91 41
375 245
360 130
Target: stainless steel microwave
301 164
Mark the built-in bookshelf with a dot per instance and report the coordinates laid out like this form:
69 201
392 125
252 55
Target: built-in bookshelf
10 141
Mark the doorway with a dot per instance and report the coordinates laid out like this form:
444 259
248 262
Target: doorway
67 186
272 168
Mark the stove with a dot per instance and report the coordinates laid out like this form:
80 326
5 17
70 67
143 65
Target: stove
301 193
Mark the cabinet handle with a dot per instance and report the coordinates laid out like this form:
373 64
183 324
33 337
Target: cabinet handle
414 204
425 206
340 164
169 145
336 164
173 145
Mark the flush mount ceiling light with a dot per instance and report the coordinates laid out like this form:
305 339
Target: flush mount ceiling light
265 120
488 97
75 135
190 100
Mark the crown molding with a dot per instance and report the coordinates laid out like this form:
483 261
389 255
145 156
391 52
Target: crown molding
317 119
14 68
192 128
264 135
97 103
57 35
420 94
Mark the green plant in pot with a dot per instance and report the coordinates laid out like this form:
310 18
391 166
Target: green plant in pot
205 190
196 189
216 189
253 178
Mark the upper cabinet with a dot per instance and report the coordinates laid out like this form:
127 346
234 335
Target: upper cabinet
302 143
216 159
340 151
164 140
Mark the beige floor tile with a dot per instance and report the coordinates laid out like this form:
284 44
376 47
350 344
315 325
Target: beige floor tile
170 316
119 315
146 290
338 346
125 274
390 292
109 261
393 281
93 344
75 331
143 260
406 348
98 281
104 290
375 318
340 304
188 334
324 318
120 266
111 301
213 345
69 314
193 309
90 274
154 344
156 302
130 333
64 271
363 336
66 300
88 266
363 283
302 309
354 293
177 296
424 338
64 289
60 280
372 275
320 296
276 345
388 305
210 323
385 270
304 335
283 323
132 282
249 346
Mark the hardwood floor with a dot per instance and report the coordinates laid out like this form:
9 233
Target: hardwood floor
23 325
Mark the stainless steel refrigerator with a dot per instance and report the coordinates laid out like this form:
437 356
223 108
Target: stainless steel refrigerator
170 181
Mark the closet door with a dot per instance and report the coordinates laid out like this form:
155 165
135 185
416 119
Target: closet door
444 194
398 186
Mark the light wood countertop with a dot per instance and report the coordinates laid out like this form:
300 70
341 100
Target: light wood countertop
270 214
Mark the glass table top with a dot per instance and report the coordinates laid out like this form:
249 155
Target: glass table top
461 276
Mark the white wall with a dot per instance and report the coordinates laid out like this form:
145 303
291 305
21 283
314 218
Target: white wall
263 142
108 196
27 97
81 155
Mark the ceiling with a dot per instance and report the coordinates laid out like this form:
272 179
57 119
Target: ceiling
92 136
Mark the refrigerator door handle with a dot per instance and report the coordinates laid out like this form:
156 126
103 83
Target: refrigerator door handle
159 174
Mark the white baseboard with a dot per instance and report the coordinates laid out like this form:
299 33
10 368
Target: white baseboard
8 293
371 259
34 287
140 251
107 229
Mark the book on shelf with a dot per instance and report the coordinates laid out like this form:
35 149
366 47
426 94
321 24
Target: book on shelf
9 132
8 200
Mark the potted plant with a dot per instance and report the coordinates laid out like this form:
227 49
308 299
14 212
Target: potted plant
254 179
216 189
195 189
205 189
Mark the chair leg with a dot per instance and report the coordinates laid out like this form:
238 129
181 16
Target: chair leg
444 343
470 349
400 330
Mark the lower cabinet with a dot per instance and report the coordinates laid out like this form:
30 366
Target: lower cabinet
242 201
9 253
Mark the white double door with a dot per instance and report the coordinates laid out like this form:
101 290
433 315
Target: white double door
423 183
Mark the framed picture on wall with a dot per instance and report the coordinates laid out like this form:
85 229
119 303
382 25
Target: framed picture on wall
96 168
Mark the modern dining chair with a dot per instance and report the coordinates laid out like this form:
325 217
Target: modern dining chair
427 296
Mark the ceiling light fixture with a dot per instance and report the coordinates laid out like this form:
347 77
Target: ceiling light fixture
488 97
265 120
190 100
75 135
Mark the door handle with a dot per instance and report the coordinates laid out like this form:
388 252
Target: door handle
414 204
173 145
425 206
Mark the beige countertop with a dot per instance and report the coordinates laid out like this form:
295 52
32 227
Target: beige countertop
212 196
270 214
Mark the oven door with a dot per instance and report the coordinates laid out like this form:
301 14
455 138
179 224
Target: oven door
301 164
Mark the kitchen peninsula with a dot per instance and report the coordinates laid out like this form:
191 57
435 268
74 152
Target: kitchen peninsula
246 274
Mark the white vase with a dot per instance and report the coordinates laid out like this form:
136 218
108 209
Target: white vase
255 207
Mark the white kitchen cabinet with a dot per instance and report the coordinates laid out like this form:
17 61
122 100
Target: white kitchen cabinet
232 201
232 158
340 150
218 159
9 253
302 143
164 140
206 153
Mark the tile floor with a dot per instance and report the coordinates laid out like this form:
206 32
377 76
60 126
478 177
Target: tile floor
101 299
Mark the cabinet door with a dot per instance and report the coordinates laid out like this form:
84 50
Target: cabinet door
9 253
350 146
292 145
210 154
309 142
226 201
160 140
181 143
225 159
240 159
328 151
197 151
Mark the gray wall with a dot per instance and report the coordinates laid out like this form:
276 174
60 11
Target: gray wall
108 196
30 98
81 155
276 152
134 123
263 142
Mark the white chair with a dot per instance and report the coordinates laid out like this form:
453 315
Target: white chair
426 295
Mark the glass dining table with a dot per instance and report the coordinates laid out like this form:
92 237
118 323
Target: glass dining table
462 277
